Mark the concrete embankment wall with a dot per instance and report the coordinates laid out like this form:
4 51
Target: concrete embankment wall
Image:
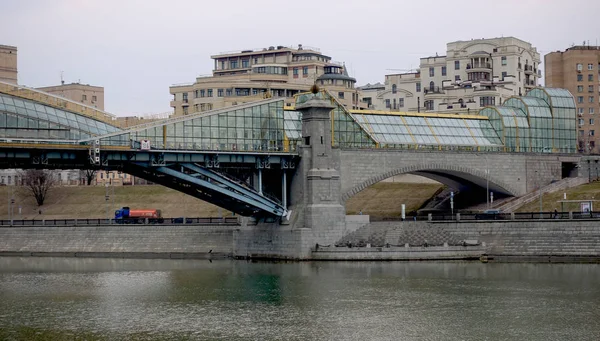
118 241
568 240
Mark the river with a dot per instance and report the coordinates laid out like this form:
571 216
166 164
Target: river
138 299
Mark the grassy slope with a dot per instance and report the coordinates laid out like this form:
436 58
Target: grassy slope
382 199
549 201
89 202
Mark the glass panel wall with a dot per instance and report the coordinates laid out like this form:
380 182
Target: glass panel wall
564 119
26 119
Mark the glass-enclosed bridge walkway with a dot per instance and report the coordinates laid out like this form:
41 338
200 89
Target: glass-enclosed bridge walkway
239 157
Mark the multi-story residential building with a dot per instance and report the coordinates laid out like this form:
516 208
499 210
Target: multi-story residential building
473 74
577 69
249 75
83 93
8 64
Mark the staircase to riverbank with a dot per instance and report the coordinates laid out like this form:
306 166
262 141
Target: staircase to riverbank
513 205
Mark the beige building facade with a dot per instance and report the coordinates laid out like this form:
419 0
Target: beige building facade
8 64
86 94
473 74
250 75
577 69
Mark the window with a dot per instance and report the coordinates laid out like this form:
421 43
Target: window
228 92
94 98
457 65
580 88
580 110
590 88
431 72
185 110
394 88
579 67
305 71
185 97
591 110
580 78
295 72
202 93
591 133
581 133
233 64
443 70
590 78
487 101
457 78
222 65
504 74
245 63
503 59
83 97
429 104
340 95
401 103
394 105
255 60
209 92
591 121
579 99
220 93
418 86
387 103
591 99
590 67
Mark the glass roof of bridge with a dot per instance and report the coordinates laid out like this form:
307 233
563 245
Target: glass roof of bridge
26 119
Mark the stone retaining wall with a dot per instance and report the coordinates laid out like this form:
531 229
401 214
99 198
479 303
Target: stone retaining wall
118 241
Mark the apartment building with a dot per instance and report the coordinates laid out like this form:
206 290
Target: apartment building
250 75
577 69
8 64
83 93
473 74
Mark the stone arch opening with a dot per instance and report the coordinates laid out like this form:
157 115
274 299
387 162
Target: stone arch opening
453 176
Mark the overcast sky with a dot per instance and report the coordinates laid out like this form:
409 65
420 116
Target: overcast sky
137 49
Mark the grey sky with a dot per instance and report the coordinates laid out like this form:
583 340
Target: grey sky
136 49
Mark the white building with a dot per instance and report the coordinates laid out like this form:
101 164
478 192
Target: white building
472 74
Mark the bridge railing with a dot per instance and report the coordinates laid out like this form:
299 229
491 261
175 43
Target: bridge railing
219 221
519 216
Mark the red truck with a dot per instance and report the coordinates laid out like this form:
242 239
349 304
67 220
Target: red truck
139 216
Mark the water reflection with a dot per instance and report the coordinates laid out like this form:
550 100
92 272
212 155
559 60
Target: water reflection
115 299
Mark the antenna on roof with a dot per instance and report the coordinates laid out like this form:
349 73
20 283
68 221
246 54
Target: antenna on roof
62 81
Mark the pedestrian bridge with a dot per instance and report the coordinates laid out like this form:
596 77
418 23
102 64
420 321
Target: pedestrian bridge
246 158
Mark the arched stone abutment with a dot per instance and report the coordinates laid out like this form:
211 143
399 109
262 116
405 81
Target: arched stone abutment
438 171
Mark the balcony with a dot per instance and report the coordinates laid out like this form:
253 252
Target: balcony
184 102
528 69
529 83
433 90
479 67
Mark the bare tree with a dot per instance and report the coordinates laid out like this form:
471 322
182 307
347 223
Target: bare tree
89 175
38 182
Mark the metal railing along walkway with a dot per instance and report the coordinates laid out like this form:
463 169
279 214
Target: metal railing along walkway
217 221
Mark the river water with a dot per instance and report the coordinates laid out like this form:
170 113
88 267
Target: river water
126 299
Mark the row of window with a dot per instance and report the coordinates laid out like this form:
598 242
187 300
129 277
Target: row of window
580 88
580 67
590 78
582 121
391 104
591 133
457 67
581 110
84 98
580 99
